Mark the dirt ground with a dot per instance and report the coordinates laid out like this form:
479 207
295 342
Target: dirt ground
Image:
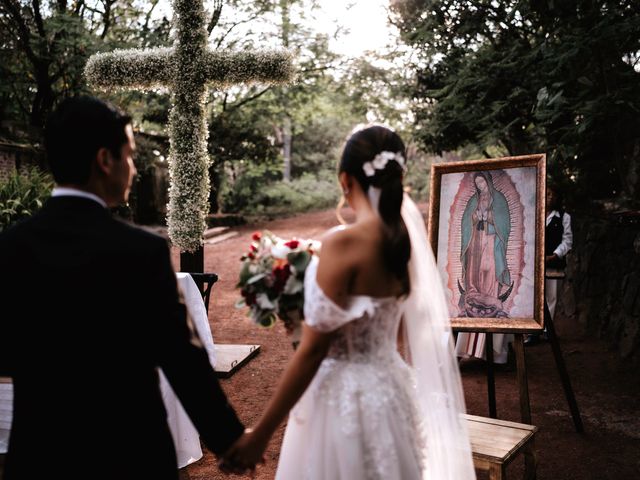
607 390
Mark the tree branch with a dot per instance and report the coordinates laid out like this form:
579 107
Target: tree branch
148 16
78 7
23 32
38 18
106 17
244 101
217 10
221 39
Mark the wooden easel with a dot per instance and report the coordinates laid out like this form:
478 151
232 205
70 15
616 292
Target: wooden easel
521 369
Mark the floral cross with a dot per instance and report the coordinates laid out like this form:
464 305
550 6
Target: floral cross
187 69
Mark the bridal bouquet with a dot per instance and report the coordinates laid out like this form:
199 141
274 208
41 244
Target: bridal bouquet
272 279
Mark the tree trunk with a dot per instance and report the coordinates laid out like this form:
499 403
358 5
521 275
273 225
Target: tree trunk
215 178
286 148
286 123
43 99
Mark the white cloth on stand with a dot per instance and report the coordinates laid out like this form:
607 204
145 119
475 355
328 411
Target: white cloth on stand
472 344
185 436
6 414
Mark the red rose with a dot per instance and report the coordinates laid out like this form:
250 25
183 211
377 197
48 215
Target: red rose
251 255
256 236
292 244
254 248
281 275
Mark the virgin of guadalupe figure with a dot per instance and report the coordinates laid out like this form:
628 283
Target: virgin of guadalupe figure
486 224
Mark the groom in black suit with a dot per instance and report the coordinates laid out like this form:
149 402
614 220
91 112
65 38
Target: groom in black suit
90 310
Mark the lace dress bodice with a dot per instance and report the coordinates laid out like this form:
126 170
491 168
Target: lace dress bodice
363 382
365 331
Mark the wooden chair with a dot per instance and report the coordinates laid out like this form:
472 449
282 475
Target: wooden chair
495 443
205 282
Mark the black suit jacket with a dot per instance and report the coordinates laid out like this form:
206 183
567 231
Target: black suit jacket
89 310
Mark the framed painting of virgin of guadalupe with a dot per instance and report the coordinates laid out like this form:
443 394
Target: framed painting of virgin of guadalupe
487 233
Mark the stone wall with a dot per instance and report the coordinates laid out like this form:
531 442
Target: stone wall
18 157
601 294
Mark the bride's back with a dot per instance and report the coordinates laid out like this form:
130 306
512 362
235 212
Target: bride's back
354 255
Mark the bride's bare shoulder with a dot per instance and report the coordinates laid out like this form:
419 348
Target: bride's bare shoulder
351 241
336 239
333 231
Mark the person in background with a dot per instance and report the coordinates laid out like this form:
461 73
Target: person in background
558 242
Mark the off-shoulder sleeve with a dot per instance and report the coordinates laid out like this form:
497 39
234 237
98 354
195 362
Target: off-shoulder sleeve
322 313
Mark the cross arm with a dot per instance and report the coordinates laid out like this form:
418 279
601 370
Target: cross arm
140 69
229 68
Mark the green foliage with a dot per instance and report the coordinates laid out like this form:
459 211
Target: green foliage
543 76
21 195
254 195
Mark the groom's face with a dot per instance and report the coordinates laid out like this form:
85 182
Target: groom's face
124 171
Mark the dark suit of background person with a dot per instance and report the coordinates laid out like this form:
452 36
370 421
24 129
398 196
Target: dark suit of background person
558 239
90 309
558 242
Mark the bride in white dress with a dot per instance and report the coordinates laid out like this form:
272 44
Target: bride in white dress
356 409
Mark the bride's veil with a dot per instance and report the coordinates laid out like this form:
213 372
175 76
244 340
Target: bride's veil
431 352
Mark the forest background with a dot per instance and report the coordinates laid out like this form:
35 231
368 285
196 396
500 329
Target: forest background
459 79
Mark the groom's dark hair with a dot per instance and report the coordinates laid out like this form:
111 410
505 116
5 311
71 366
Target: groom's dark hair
74 133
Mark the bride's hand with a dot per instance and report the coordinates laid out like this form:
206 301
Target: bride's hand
245 453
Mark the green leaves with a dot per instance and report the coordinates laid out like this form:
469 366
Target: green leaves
555 77
299 260
21 195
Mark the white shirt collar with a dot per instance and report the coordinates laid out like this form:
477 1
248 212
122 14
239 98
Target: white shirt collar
73 192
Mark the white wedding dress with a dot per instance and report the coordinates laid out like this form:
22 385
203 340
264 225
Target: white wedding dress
358 419
367 415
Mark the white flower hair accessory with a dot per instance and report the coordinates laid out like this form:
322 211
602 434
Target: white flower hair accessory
380 161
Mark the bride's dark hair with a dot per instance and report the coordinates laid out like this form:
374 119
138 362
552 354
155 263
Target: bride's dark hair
362 147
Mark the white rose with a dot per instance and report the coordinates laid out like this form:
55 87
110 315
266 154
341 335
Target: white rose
315 245
280 250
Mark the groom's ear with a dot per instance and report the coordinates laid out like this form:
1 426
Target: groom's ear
103 161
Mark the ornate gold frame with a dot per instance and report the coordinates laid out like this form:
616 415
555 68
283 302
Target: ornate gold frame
510 325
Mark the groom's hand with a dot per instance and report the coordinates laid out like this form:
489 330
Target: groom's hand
243 455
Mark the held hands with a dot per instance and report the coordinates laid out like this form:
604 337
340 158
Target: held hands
244 454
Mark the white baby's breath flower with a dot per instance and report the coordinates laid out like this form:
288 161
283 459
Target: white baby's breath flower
369 170
267 243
